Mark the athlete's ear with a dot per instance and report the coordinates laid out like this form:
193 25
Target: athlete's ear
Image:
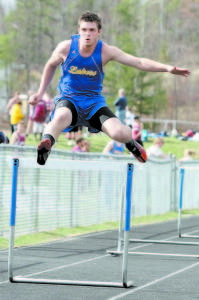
99 31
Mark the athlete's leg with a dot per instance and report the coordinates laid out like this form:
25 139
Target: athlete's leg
64 116
107 122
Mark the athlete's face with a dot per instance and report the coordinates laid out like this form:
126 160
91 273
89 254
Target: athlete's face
89 33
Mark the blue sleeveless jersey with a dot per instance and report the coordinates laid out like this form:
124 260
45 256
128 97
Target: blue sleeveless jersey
81 81
117 148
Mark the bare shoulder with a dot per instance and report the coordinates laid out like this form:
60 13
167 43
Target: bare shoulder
61 52
110 52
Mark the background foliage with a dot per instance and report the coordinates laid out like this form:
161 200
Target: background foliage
164 30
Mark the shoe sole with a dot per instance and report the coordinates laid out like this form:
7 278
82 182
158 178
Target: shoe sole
43 150
142 158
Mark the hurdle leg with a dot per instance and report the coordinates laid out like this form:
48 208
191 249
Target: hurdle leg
127 224
12 217
22 279
180 202
120 231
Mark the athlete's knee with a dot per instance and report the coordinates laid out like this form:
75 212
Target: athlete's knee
63 115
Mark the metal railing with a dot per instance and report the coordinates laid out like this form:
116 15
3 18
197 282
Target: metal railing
50 199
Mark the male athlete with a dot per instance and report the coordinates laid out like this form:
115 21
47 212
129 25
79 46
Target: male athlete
80 102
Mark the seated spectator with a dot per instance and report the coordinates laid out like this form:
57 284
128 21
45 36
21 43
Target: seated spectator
3 138
155 150
114 147
195 137
86 147
79 147
19 136
189 155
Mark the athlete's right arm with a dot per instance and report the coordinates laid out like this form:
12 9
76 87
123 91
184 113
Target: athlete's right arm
58 57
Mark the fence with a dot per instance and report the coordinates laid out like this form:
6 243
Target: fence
50 199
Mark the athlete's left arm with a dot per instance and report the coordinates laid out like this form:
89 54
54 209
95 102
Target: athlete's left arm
144 64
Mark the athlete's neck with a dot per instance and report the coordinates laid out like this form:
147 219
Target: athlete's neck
86 50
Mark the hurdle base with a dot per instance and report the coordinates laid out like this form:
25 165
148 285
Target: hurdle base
163 242
114 252
20 279
189 236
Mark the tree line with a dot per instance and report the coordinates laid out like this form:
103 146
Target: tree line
161 30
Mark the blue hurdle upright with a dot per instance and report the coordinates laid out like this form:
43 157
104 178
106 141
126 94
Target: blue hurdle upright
120 250
20 279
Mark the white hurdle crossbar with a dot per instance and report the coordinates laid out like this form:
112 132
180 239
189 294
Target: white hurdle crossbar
119 250
29 162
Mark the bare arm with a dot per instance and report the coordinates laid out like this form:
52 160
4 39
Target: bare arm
58 56
108 148
13 139
144 64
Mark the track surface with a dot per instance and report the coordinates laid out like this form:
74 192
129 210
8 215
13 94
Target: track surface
174 276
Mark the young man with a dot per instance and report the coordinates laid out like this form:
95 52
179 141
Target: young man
80 101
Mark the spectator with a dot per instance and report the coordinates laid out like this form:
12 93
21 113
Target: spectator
114 147
129 117
3 138
79 147
29 126
19 136
39 118
49 107
86 147
15 110
189 155
155 150
120 105
137 130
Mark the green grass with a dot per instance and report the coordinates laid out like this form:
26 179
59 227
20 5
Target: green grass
98 141
60 233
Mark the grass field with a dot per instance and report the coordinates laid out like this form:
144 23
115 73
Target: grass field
98 141
42 237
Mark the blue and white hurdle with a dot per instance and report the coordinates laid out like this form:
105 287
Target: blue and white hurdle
119 250
16 163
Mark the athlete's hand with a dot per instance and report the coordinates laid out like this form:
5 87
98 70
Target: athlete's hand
179 71
34 99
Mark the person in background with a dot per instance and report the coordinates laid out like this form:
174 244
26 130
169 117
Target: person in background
155 151
19 136
121 104
80 101
189 155
29 127
3 138
79 147
87 146
114 147
137 130
129 117
39 118
49 107
15 110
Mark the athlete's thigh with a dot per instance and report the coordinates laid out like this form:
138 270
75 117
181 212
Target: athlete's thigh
100 117
68 108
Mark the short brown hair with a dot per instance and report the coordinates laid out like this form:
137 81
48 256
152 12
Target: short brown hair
91 17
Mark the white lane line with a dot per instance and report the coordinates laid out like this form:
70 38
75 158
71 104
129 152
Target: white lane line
69 265
153 282
80 262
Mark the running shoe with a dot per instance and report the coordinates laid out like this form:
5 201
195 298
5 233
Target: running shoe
43 151
139 153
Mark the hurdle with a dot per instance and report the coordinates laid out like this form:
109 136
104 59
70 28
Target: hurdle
27 162
119 250
182 175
